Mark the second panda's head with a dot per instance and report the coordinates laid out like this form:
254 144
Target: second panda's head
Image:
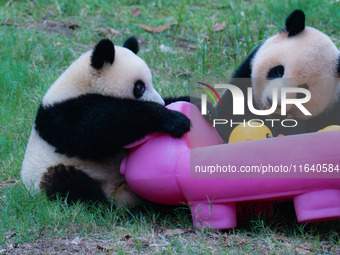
118 71
298 56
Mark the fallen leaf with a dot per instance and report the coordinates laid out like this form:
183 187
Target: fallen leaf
108 32
101 248
219 26
156 29
10 236
113 32
125 237
76 240
73 26
146 27
130 242
162 28
135 12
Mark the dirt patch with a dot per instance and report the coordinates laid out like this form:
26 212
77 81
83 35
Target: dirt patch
175 239
55 246
52 26
49 26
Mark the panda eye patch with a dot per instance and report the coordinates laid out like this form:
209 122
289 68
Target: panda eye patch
276 72
138 89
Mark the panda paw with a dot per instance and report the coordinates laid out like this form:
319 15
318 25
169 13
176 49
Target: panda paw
177 124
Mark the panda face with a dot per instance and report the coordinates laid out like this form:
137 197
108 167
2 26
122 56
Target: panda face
127 76
107 70
307 60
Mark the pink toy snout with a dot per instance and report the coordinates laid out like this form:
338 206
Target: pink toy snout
158 169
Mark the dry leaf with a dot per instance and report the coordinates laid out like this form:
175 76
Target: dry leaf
219 26
101 248
156 29
146 27
125 237
130 242
162 28
73 26
113 32
10 235
135 12
76 240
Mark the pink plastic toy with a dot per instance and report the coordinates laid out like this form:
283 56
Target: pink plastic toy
158 169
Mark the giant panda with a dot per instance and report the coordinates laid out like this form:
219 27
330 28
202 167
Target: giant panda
103 101
298 56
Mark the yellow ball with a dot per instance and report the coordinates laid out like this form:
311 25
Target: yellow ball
245 133
330 128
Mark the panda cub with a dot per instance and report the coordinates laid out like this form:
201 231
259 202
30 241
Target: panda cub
298 56
102 102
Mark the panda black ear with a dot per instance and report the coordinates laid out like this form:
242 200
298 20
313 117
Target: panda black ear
295 23
103 52
131 44
338 67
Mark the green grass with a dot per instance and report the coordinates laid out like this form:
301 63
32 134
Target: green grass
34 51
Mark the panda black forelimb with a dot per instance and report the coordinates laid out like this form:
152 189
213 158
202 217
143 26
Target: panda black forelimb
95 126
169 100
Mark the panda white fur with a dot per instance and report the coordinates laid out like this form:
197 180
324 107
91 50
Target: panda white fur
298 56
102 102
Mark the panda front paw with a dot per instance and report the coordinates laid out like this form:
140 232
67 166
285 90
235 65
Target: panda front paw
177 124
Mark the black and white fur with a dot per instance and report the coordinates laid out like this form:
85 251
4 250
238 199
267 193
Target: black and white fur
102 102
298 56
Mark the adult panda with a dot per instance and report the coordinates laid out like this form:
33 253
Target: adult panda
102 102
298 56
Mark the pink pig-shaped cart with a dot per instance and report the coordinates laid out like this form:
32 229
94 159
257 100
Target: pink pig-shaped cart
162 169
